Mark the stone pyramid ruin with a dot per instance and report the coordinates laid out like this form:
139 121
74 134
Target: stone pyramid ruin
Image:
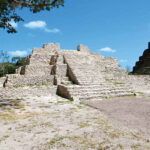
72 74
143 65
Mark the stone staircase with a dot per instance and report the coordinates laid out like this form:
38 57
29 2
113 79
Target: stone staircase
97 91
89 82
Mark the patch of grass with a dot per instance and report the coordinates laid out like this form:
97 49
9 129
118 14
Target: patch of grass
83 125
117 83
135 146
4 138
100 122
47 84
135 136
44 84
8 116
80 106
46 124
148 140
39 132
17 86
38 85
44 106
108 80
140 93
119 146
56 116
12 104
114 135
71 99
18 105
13 116
56 140
73 109
63 102
78 117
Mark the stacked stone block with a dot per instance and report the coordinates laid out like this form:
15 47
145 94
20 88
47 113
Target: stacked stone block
143 65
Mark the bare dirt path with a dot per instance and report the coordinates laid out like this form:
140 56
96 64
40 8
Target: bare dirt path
131 112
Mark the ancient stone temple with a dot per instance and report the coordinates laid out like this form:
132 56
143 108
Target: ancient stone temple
143 65
71 73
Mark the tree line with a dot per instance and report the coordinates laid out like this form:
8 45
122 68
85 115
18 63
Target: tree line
9 66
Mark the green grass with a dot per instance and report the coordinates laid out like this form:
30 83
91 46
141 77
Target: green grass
140 93
83 124
108 80
63 102
117 83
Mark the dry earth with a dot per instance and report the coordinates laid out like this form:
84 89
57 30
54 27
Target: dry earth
131 112
53 123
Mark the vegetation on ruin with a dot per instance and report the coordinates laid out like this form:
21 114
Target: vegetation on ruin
8 10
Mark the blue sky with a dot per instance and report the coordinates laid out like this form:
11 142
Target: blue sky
115 28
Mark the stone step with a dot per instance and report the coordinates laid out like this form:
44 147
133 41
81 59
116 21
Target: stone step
103 84
99 96
97 90
65 79
96 86
79 73
104 92
66 82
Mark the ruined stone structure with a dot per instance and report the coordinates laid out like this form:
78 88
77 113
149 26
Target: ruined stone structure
143 65
72 74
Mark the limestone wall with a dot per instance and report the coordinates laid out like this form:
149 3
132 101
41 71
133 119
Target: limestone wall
37 70
21 80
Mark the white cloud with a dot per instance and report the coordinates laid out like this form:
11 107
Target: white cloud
108 49
55 30
18 53
123 60
13 24
40 25
35 24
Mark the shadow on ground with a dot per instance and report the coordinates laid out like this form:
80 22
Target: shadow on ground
130 112
10 103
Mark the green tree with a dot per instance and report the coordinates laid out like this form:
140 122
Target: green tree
7 67
19 61
8 10
4 59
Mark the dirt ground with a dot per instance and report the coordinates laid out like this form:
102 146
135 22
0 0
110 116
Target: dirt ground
131 112
50 122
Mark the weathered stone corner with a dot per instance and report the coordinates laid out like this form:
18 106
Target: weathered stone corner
83 48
